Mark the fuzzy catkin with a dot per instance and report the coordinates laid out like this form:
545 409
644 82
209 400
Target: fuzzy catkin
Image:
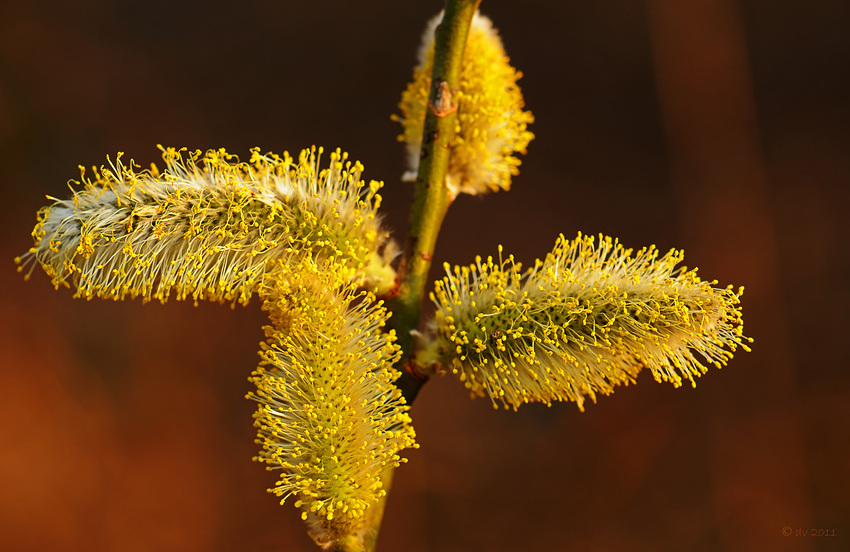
329 416
208 226
587 318
491 123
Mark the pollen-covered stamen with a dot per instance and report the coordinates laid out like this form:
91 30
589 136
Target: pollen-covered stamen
586 319
208 226
329 416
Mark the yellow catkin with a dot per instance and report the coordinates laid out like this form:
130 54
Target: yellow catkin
491 123
329 416
587 318
208 226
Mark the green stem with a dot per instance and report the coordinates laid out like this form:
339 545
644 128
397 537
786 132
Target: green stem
431 196
431 200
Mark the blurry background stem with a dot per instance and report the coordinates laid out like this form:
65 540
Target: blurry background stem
723 192
431 200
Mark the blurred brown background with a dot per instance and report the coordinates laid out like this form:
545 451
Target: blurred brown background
719 126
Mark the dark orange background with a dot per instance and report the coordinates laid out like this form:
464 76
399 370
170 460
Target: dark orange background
718 126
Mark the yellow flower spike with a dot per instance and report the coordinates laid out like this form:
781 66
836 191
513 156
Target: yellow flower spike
586 319
490 117
327 400
208 226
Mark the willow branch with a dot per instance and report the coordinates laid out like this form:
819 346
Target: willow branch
431 197
431 200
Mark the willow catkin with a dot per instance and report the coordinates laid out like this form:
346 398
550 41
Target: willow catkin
208 226
329 416
587 318
491 123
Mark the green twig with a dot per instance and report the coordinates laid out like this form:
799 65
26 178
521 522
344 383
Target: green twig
431 197
431 200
